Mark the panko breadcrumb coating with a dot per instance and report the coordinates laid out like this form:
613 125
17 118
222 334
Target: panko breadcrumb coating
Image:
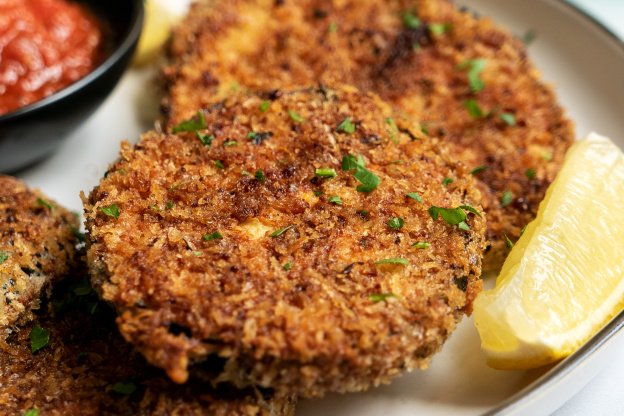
421 56
37 246
88 369
246 241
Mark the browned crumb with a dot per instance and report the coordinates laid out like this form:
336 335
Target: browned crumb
300 311
88 369
414 64
37 246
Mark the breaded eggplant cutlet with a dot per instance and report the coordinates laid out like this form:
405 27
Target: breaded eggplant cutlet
288 234
37 246
88 369
467 81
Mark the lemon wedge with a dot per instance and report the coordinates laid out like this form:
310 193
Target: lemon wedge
156 29
564 278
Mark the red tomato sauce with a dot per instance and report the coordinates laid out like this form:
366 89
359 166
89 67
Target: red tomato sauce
45 45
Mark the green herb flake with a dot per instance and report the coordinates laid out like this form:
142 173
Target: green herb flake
296 117
347 126
452 216
446 181
80 236
410 21
463 226
32 412
244 172
280 232
281 161
219 164
39 338
392 136
169 204
415 196
318 193
439 28
251 135
473 108
235 86
475 67
396 161
547 156
506 198
529 37
509 243
471 209
326 173
197 253
214 236
3 257
191 125
260 176
335 200
126 387
369 180
111 211
508 118
45 203
264 106
288 265
155 208
391 123
478 169
205 139
123 171
423 128
530 173
230 143
378 297
393 261
350 162
396 223
332 27
176 186
523 230
364 212
424 245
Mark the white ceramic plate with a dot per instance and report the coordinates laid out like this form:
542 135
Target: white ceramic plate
585 64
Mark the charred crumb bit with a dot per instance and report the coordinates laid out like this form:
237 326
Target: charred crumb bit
177 329
350 267
319 14
461 283
260 137
372 140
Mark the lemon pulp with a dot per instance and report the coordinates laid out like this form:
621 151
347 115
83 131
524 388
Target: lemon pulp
564 278
156 29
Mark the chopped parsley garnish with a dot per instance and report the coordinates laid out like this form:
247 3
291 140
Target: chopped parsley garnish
392 261
415 196
547 156
529 37
3 257
471 209
393 136
473 108
219 164
154 207
350 162
335 200
39 338
123 171
475 66
244 172
455 216
423 245
530 173
231 143
478 169
396 223
127 386
364 212
260 176
509 243
264 106
197 253
251 135
439 28
410 21
318 193
214 236
281 161
423 128
44 203
176 186
326 173
508 118
32 412
332 27
296 116
235 86
446 181
378 297
523 230
190 125
205 139
390 121
112 211
463 226
280 232
288 265
80 296
368 179
506 198
347 126
396 161
80 236
169 204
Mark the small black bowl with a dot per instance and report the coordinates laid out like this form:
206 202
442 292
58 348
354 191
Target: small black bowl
33 132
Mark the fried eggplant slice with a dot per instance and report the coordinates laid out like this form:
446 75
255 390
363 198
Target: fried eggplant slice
469 82
88 369
37 246
277 233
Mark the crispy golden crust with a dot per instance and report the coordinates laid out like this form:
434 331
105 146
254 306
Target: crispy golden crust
76 373
259 45
313 327
37 246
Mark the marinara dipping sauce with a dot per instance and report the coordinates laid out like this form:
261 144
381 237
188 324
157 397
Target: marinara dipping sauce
45 45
